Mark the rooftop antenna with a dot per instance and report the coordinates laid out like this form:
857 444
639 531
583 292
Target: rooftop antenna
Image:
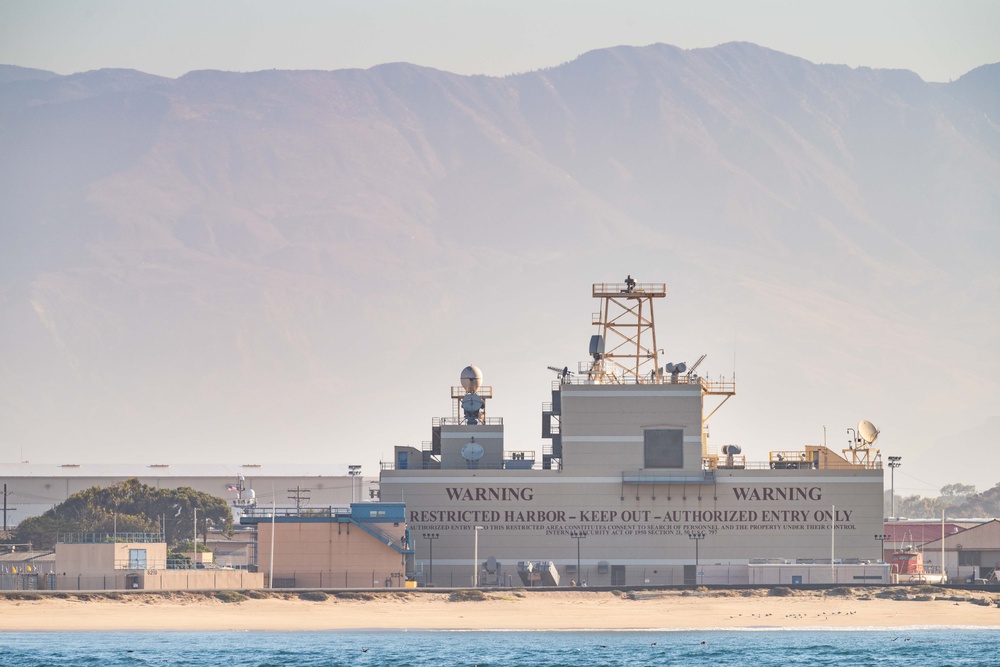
695 365
868 433
624 349
473 401
862 454
563 373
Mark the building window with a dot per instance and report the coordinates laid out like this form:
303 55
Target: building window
969 557
663 448
137 559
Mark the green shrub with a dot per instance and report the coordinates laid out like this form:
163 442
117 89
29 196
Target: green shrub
471 595
23 596
352 595
230 596
313 596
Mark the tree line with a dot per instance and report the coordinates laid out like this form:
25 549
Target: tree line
127 507
955 500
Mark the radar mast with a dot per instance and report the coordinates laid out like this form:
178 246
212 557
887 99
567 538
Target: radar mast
624 350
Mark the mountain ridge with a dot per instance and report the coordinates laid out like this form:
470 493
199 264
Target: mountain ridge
203 252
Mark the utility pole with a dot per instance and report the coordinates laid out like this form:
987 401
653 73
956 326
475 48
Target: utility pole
299 495
5 510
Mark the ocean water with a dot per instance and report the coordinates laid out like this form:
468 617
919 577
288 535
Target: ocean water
754 648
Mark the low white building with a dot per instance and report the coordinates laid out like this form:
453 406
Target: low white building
34 488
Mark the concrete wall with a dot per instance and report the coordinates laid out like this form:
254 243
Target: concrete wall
328 554
847 575
180 580
106 558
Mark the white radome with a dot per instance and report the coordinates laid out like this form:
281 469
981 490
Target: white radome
472 379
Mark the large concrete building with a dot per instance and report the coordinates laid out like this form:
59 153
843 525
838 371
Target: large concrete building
630 492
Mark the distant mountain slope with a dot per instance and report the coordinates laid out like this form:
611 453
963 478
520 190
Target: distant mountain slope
12 73
250 266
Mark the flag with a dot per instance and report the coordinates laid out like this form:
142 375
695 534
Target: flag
231 487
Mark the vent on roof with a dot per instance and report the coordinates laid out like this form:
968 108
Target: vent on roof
70 465
159 465
251 465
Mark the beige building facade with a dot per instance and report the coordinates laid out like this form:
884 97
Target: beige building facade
365 546
136 562
630 491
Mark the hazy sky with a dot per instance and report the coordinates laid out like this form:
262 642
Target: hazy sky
938 39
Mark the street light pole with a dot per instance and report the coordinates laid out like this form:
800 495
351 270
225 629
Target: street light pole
894 462
353 471
430 537
475 557
697 537
578 535
882 537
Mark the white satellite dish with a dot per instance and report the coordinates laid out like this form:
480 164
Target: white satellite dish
867 431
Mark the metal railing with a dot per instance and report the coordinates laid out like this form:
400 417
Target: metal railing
398 543
585 377
103 538
266 512
154 564
620 289
517 465
460 421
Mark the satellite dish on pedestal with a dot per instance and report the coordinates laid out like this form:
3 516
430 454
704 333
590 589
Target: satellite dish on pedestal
471 405
867 431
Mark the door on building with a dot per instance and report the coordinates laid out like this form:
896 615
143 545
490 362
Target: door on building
690 575
617 575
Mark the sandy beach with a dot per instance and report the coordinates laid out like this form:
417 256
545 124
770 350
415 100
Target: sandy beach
507 609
